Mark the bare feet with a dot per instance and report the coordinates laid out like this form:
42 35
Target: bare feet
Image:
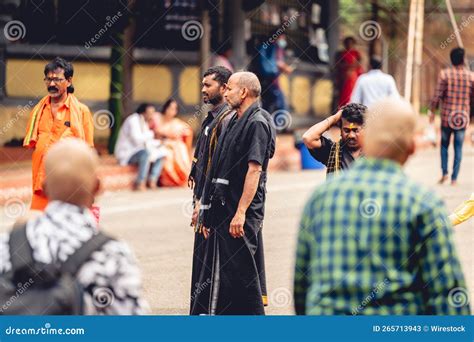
152 184
454 182
443 179
139 187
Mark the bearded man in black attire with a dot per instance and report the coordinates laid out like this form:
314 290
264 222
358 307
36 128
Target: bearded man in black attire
213 87
230 280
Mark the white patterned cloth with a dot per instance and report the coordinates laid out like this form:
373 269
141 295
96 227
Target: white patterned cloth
111 277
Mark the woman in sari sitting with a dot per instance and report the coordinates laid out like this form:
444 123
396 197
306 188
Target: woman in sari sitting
177 136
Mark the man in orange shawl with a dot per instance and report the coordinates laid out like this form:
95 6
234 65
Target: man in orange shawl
57 116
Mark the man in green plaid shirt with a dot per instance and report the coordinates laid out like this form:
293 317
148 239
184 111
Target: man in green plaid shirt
372 241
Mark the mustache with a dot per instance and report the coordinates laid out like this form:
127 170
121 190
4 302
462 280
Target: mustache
52 88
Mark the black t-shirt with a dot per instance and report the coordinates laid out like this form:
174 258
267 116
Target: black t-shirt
256 146
322 153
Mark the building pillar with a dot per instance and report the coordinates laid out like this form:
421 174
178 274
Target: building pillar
7 9
4 19
238 34
333 30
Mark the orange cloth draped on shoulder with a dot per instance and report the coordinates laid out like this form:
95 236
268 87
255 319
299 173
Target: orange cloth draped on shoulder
177 165
73 120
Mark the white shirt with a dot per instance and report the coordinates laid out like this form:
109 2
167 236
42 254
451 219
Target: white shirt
133 137
372 86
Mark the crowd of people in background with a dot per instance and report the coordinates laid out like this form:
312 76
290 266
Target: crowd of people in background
407 253
371 240
410 234
355 86
159 143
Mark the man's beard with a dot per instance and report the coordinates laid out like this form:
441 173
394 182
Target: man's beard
215 100
235 105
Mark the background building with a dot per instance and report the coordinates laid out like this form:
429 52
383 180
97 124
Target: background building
163 45
146 50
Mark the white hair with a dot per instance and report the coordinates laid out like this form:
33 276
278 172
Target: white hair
247 79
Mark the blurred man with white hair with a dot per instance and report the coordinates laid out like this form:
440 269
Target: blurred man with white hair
372 241
232 279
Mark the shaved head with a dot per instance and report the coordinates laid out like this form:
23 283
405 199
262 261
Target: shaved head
390 130
243 88
71 173
247 79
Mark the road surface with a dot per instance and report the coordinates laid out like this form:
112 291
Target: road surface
156 225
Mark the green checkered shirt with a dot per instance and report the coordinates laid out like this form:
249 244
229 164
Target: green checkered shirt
373 242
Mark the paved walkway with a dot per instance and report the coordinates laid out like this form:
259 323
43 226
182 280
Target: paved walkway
156 225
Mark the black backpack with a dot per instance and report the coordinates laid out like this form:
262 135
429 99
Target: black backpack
33 288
